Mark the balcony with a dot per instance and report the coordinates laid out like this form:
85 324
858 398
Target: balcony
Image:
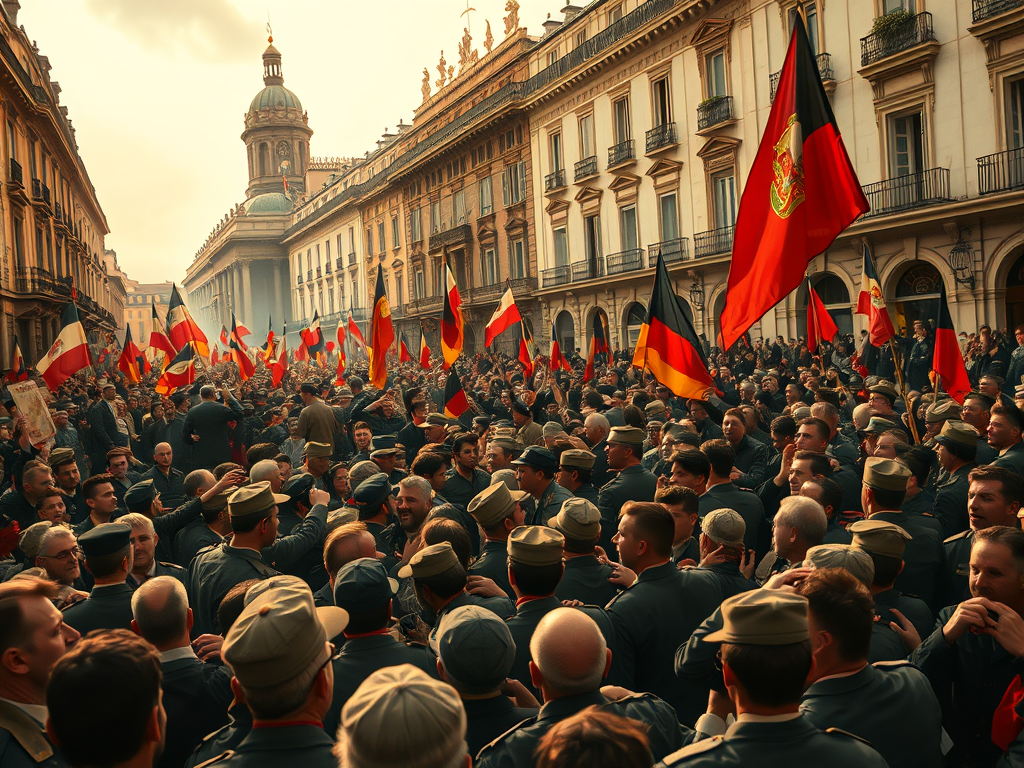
588 269
714 111
621 153
555 276
339 263
426 304
37 189
905 193
46 194
454 236
585 168
986 9
824 71
896 31
360 314
57 213
309 276
625 261
15 175
661 136
554 181
351 259
521 286
670 250
712 242
1002 171
298 279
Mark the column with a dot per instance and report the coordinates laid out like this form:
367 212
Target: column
282 288
246 295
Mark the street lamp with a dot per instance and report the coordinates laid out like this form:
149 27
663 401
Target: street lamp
961 259
697 291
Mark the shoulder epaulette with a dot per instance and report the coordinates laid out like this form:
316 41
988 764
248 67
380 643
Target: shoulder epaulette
215 734
894 664
926 514
505 735
957 536
841 732
697 748
907 594
222 756
169 565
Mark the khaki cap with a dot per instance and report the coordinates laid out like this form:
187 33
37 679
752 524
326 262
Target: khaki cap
628 435
763 617
578 458
578 519
535 545
879 537
507 444
885 474
856 562
361 471
958 432
252 498
218 501
279 635
506 476
656 406
726 526
433 420
877 425
494 503
61 456
430 561
887 389
942 410
552 429
316 449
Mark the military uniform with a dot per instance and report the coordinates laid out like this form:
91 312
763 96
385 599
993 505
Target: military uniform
913 608
458 490
212 574
108 607
23 740
923 557
196 697
488 718
300 552
305 745
170 486
159 568
586 579
836 533
493 564
549 503
632 483
688 550
986 454
587 491
728 496
950 506
956 567
1011 458
752 462
843 450
193 538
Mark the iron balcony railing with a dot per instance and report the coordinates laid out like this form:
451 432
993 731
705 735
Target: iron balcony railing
426 304
554 181
339 263
824 70
712 242
713 111
621 153
352 259
37 189
986 9
585 167
677 249
660 136
15 175
309 275
452 236
298 279
1001 171
896 37
361 314
625 261
587 269
559 275
46 194
904 193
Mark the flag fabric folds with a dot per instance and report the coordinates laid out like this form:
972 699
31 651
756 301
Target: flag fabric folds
871 303
947 360
598 343
801 193
246 368
69 353
455 401
131 361
354 332
18 370
404 355
158 338
224 335
280 366
382 335
820 325
181 328
214 355
527 350
180 372
668 345
424 352
268 347
341 353
504 317
312 336
557 358
451 319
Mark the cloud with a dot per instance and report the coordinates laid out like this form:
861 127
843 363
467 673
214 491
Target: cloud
211 30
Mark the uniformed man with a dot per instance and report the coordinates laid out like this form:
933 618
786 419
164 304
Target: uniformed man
363 589
885 484
207 531
497 511
108 556
170 482
722 493
317 461
535 472
67 477
214 571
528 432
144 498
384 453
279 638
585 578
475 651
376 509
683 504
956 446
145 543
766 658
465 479
575 466
440 582
1005 429
624 449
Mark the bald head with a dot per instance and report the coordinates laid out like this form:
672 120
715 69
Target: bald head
570 656
827 413
161 614
346 543
268 470
198 482
862 415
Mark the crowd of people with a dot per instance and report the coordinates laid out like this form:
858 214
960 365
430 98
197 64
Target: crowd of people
821 562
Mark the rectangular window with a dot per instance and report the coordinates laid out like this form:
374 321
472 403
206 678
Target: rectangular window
811 12
398 290
669 217
380 237
627 228
340 250
724 186
587 142
490 266
486 196
459 208
621 110
581 38
592 237
716 74
369 241
888 6
319 263
555 152
1015 114
513 183
330 301
552 56
615 14
517 259
415 225
12 141
394 232
309 259
419 284
351 239
662 100
561 247
906 149
435 217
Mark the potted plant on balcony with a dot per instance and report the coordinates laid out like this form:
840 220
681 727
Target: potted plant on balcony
709 102
892 27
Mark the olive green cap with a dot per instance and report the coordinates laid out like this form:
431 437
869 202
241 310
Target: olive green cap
218 501
316 449
61 456
877 425
887 389
958 432
476 648
726 526
885 474
942 410
506 444
507 477
577 458
763 617
628 435
578 519
433 420
255 497
494 503
552 429
879 537
430 561
535 545
361 471
856 562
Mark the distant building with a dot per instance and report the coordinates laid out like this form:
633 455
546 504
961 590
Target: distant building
139 302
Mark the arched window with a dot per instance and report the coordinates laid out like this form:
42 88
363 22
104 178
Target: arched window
634 319
834 295
565 330
917 296
264 158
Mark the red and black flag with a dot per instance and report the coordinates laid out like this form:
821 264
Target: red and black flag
132 362
557 358
527 350
424 351
246 369
224 335
455 401
179 371
17 371
802 192
820 325
382 335
404 355
598 343
947 360
181 328
668 346
158 338
451 319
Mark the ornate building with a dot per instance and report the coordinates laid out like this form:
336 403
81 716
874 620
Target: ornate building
138 312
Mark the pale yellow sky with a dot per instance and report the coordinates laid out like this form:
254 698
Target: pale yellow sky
157 91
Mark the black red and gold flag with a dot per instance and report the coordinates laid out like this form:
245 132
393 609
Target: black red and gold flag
132 362
246 368
455 401
947 359
451 319
598 343
382 335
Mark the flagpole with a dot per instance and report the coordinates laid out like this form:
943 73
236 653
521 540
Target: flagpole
898 365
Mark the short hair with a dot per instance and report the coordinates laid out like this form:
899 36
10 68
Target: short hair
771 675
679 494
887 568
47 494
820 464
114 670
1011 412
419 484
825 408
736 412
721 455
598 420
595 737
1012 485
536 580
805 515
843 606
194 480
831 493
261 452
783 426
821 427
208 392
54 532
919 460
89 486
264 470
332 560
426 464
980 398
136 520
438 529
222 469
654 524
13 628
1011 538
361 425
232 605
694 462
164 622
887 498
462 438
113 453
283 458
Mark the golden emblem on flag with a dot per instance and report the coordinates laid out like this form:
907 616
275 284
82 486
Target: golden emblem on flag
787 164
877 300
56 349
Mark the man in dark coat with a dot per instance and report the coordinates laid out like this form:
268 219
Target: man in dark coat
109 557
206 427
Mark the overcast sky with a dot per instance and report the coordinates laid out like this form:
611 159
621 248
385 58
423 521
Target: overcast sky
157 91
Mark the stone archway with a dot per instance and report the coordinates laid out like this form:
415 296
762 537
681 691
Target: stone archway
915 295
834 294
565 330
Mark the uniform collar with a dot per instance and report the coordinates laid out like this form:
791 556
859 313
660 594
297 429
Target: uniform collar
37 712
559 709
662 571
176 654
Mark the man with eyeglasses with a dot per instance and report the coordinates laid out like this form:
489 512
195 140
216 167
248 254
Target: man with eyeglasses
58 556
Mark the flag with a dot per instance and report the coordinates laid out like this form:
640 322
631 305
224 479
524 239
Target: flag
180 372
871 303
242 331
527 350
858 357
800 194
132 362
246 368
947 360
312 336
341 353
404 356
820 325
354 332
158 338
668 346
18 371
504 317
280 366
382 335
69 353
557 358
224 335
268 347
181 328
598 344
455 401
302 353
424 352
451 319
214 355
